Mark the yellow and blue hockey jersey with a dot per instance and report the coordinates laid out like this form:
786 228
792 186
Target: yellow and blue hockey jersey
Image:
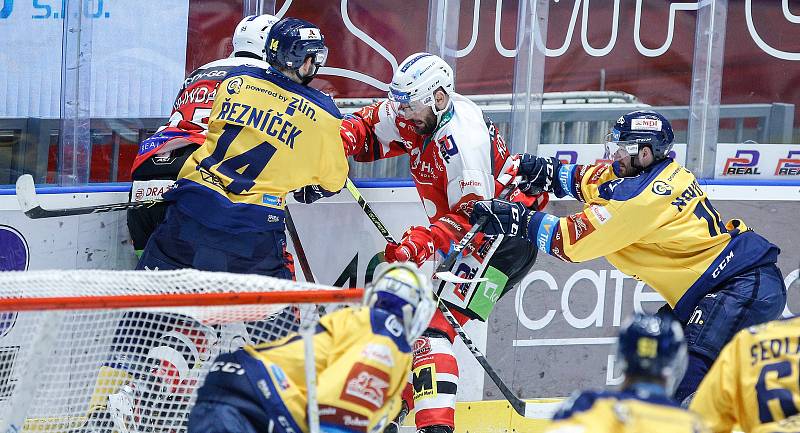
658 227
267 135
362 361
755 381
635 410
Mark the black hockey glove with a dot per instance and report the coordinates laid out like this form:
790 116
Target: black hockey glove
311 193
504 217
538 174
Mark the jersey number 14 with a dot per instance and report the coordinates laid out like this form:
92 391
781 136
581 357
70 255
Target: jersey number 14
253 160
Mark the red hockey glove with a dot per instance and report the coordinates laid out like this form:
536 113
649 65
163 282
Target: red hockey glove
416 246
353 133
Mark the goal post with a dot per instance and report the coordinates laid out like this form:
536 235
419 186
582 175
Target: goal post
124 351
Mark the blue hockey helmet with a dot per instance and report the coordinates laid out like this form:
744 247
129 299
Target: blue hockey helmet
653 346
292 40
638 129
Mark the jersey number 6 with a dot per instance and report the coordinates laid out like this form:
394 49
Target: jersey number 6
784 396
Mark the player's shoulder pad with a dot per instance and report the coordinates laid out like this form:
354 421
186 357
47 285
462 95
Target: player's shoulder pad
389 325
626 188
468 126
315 96
579 401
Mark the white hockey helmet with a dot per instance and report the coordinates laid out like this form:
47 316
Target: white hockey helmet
401 289
417 78
251 33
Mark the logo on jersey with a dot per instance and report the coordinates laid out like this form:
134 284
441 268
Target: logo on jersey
578 226
423 378
339 416
422 346
235 85
601 213
379 353
280 377
365 386
465 183
447 147
272 200
744 162
721 267
696 318
687 195
789 166
661 188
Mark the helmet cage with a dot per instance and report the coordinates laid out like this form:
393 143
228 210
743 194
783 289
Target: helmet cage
411 303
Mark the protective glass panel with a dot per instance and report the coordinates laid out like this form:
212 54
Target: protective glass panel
30 87
759 137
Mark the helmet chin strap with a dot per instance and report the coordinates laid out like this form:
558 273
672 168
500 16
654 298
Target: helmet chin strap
307 79
439 113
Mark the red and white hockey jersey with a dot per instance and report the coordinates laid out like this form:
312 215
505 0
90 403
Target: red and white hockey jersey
188 121
452 168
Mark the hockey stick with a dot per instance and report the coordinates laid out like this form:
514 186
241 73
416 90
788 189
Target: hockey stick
444 270
298 248
519 406
368 210
29 203
376 221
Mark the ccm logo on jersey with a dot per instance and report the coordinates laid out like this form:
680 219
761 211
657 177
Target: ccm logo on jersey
365 386
721 267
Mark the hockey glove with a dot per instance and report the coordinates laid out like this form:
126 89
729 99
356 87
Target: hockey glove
311 193
504 217
416 246
539 175
353 133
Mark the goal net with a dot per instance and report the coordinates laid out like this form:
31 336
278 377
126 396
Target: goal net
124 351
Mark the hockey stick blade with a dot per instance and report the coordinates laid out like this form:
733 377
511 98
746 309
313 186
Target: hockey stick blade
26 193
453 278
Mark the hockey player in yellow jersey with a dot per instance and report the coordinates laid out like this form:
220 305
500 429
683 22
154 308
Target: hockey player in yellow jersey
648 216
653 353
755 382
269 133
362 356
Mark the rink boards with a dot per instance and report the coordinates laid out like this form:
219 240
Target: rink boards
564 312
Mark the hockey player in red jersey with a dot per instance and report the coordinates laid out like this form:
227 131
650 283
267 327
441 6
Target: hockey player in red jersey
162 155
455 160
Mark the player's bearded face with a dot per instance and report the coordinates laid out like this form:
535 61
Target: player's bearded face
419 115
623 153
